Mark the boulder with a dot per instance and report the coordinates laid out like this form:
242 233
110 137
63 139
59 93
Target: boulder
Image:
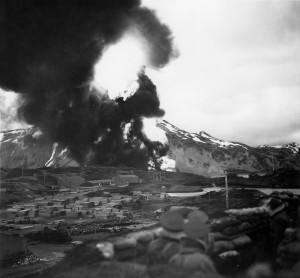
223 245
125 243
241 241
217 225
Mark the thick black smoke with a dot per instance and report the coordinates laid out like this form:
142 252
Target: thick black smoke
47 54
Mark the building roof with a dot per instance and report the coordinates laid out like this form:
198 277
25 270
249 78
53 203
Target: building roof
104 180
127 176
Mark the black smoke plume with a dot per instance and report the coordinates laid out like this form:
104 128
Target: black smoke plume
47 55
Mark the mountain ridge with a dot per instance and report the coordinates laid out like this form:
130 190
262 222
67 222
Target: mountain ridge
27 148
203 154
197 153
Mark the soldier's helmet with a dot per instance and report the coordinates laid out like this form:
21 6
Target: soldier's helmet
172 221
198 232
198 216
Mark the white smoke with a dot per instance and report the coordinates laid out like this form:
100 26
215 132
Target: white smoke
8 111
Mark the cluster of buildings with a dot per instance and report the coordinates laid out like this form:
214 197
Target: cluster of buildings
70 204
43 212
69 207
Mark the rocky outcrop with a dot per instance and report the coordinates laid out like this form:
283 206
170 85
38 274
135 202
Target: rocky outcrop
206 155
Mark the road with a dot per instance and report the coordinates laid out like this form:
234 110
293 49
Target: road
192 194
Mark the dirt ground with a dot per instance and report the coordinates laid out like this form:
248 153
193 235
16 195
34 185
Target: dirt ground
212 203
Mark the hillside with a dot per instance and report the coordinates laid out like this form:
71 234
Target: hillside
206 155
19 185
28 148
200 154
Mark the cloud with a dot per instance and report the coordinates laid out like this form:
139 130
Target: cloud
237 76
238 73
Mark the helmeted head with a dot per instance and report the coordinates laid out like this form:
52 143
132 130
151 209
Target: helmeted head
171 225
198 232
172 221
199 216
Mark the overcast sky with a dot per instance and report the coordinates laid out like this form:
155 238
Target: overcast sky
238 73
237 76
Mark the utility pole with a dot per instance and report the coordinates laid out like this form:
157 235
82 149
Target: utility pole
153 176
226 188
273 163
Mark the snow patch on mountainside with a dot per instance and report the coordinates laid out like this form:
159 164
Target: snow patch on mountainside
195 138
202 137
60 158
224 144
294 147
51 160
276 147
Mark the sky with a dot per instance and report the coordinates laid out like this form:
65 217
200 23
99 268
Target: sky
237 75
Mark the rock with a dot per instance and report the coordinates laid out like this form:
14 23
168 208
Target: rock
245 226
223 245
241 241
229 254
230 261
219 236
143 236
292 250
127 254
230 231
107 249
218 224
247 211
125 243
259 270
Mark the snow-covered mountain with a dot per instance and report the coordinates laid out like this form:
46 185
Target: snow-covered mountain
294 147
195 153
206 155
29 149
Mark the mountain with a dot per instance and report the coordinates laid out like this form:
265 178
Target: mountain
200 154
206 155
28 148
